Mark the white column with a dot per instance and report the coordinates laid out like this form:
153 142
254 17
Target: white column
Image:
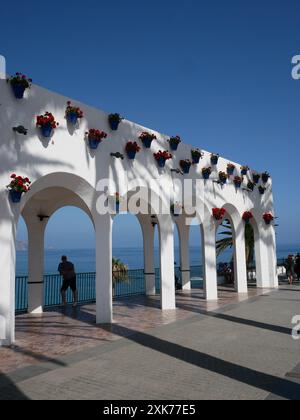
240 264
261 258
104 297
184 238
36 236
149 269
272 257
167 273
209 260
8 225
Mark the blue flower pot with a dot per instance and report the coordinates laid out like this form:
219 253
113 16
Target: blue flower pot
214 160
230 171
46 131
114 125
19 90
262 191
147 142
196 159
244 172
93 144
265 178
256 179
237 185
72 118
174 146
131 154
186 169
205 176
15 196
161 162
223 181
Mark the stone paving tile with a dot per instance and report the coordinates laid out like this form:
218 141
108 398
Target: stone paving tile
64 331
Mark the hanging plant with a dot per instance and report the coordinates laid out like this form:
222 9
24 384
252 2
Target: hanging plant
73 113
218 214
230 169
247 216
265 177
174 142
132 148
47 124
185 165
197 154
147 139
162 157
238 181
256 178
262 190
244 170
176 209
95 137
223 177
17 187
268 218
114 121
206 172
214 158
115 202
19 84
251 186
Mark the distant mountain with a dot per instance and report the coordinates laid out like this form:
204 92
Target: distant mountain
21 246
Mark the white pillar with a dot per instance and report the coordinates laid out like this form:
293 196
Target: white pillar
184 238
240 264
209 260
149 269
104 296
261 258
9 217
272 257
167 273
36 236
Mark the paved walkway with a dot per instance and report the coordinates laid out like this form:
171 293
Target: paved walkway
231 350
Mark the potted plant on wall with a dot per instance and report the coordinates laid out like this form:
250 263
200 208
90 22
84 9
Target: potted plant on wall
244 170
73 113
176 209
147 139
17 187
185 165
223 177
268 218
265 177
218 214
251 186
230 169
247 216
174 142
132 148
206 172
262 190
161 158
238 180
256 178
19 84
214 158
47 124
114 121
95 137
197 154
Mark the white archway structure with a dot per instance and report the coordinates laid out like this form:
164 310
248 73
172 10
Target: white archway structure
65 172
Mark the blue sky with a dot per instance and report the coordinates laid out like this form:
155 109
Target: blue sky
217 73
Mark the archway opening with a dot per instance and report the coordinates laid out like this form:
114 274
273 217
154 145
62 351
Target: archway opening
225 248
21 285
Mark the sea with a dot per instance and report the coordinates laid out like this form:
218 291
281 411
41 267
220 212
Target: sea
85 260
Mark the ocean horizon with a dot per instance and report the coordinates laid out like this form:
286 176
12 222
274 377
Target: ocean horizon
133 257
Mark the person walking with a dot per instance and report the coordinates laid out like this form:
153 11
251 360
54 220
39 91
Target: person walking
67 271
297 266
290 268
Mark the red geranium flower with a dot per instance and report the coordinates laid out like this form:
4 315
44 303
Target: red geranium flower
218 214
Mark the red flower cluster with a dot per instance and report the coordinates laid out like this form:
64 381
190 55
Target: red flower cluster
20 79
207 170
73 110
268 217
132 147
94 134
247 216
218 214
19 184
146 135
46 119
238 180
231 166
162 155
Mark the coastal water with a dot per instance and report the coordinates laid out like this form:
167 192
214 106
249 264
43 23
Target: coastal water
85 260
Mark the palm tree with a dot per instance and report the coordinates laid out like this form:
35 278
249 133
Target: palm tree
119 271
227 241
